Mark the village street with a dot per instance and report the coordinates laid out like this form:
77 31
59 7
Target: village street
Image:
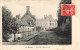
43 38
50 37
33 26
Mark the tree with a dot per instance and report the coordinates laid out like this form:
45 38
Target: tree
8 23
62 19
64 27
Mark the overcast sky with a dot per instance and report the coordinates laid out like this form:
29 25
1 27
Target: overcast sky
37 8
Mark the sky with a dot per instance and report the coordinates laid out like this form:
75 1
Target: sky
37 8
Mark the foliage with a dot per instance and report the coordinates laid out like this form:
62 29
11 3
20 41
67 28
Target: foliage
62 23
62 19
8 23
68 29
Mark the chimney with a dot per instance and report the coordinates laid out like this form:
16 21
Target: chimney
27 8
18 16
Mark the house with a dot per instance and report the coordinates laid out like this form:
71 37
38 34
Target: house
47 23
26 23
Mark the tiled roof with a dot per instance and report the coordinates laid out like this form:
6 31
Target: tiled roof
26 18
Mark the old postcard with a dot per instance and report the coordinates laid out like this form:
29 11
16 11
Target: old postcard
40 24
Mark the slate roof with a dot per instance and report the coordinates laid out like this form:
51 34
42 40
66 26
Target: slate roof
26 18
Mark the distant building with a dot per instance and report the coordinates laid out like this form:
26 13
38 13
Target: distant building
47 23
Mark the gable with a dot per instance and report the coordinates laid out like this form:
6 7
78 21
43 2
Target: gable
26 19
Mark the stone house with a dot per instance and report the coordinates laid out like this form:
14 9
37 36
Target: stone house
47 23
26 23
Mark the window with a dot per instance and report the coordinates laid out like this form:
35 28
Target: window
50 22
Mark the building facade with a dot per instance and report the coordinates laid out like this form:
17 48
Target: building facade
26 23
47 23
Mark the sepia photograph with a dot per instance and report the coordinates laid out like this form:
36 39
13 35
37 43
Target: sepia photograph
42 24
